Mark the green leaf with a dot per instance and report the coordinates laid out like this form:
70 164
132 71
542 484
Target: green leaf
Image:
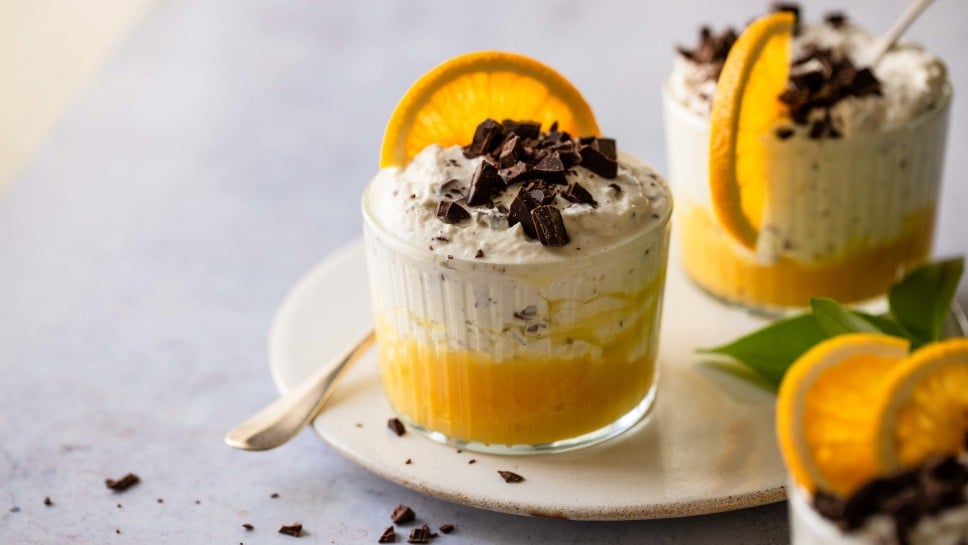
771 350
887 325
922 299
834 319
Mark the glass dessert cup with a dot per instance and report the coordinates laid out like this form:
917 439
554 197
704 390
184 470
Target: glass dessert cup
843 218
518 357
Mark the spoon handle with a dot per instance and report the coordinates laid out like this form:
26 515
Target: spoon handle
279 422
908 17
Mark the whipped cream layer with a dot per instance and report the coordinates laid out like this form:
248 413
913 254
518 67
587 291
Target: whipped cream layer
912 80
403 201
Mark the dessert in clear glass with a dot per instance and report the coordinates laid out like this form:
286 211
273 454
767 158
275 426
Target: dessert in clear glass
517 288
852 169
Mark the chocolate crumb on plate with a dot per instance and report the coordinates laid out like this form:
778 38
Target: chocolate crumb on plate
274 495
248 527
294 529
510 476
117 530
161 500
48 502
446 528
15 509
123 483
420 535
388 536
198 502
396 426
403 514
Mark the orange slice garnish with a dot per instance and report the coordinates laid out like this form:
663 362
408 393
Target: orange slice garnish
446 104
746 106
923 407
824 422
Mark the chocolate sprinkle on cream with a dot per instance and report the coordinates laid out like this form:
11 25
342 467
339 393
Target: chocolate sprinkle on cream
518 152
389 536
451 212
479 254
836 19
402 515
510 477
396 426
123 483
294 529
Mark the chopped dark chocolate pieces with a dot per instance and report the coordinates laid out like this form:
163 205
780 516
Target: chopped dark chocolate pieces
451 212
520 212
294 529
48 502
123 483
549 226
479 254
388 536
248 527
274 495
578 194
484 184
836 19
607 147
446 528
420 535
518 172
396 426
487 137
550 168
512 151
711 51
510 477
906 498
596 161
402 515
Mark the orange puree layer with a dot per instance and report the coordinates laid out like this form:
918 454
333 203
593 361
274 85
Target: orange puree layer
530 399
718 266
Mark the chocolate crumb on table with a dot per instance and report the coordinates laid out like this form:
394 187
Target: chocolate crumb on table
123 483
510 476
396 426
446 528
403 514
248 527
48 502
274 495
388 536
420 535
294 529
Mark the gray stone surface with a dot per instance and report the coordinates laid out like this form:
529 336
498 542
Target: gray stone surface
217 157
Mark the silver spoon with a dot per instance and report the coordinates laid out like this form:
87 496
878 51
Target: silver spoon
279 422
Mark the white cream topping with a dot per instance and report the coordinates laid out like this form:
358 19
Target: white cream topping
913 81
404 202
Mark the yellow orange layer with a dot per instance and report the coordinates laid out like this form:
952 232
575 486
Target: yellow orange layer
720 267
531 399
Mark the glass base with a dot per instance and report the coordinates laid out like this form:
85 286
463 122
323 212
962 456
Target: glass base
877 305
627 421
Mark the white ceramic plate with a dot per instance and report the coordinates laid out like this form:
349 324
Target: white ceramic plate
708 445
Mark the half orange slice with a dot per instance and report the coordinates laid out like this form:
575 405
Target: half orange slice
446 104
745 107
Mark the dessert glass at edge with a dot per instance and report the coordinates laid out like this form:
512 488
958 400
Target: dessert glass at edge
852 169
517 287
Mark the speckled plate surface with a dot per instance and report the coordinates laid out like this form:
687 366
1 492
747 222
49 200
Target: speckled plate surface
708 445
